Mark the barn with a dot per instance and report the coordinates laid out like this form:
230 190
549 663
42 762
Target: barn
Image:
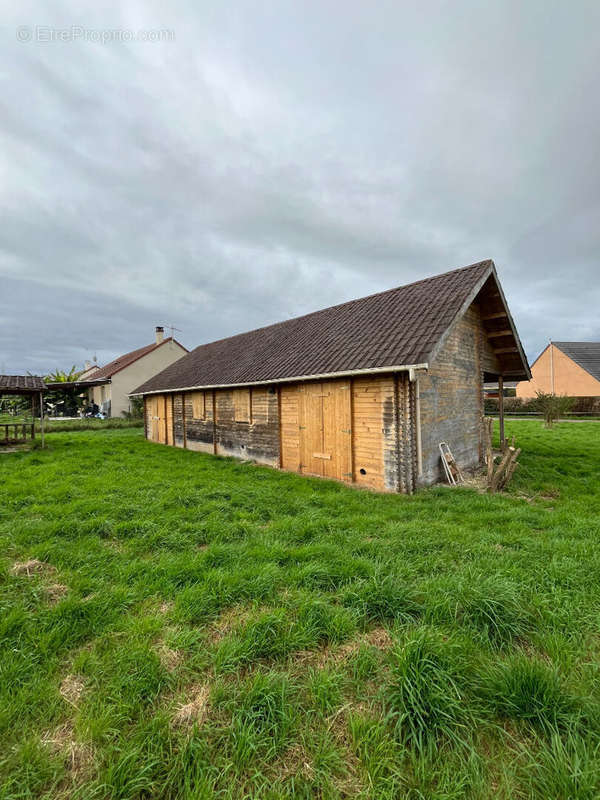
361 392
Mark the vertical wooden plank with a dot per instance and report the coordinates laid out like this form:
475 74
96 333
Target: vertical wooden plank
337 430
160 419
214 413
352 433
169 420
183 422
311 428
289 426
501 409
279 424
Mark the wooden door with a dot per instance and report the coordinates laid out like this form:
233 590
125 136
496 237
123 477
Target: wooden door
153 417
337 430
310 425
325 425
161 419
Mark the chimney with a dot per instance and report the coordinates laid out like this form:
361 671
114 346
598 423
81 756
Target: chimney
88 365
160 334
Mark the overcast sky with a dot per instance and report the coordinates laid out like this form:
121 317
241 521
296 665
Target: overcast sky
265 159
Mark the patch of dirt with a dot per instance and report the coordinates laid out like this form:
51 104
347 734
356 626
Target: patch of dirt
71 689
32 567
312 658
55 592
350 784
114 544
169 658
167 606
380 638
228 620
376 637
295 762
79 757
194 712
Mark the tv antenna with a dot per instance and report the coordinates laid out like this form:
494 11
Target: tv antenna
172 328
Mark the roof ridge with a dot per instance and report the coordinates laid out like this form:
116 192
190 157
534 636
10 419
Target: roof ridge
486 261
569 341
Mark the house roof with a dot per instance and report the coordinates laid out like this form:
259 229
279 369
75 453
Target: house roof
586 354
108 370
401 327
26 384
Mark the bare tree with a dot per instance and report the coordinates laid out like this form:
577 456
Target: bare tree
553 406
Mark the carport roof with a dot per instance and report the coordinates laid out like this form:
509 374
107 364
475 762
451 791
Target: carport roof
21 384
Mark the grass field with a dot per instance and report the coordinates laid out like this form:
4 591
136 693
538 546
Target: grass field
192 627
55 424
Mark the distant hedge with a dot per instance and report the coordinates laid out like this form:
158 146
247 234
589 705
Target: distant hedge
518 405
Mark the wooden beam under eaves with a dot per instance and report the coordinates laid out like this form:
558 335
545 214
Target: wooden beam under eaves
505 350
494 334
495 315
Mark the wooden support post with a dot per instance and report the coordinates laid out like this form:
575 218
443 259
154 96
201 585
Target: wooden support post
501 410
33 416
42 417
183 423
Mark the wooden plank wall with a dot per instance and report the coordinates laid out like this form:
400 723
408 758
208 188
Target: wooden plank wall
290 434
358 430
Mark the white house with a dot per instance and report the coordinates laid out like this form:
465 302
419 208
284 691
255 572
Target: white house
128 371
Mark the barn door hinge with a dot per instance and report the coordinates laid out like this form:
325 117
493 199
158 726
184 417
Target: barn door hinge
346 430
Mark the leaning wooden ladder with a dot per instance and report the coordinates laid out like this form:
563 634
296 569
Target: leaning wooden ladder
451 468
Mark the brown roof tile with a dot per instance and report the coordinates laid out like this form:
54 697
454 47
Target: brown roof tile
108 370
16 383
393 328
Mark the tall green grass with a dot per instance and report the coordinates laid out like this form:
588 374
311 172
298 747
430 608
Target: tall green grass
342 643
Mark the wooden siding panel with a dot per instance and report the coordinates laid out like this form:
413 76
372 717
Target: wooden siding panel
337 430
290 433
333 428
198 405
311 428
241 405
258 439
169 419
367 434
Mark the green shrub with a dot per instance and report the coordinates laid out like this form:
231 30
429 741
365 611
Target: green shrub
382 599
531 691
425 699
492 606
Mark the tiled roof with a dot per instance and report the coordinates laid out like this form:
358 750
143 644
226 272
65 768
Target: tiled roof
586 354
121 362
16 383
394 328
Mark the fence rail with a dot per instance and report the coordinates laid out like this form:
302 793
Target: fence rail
21 432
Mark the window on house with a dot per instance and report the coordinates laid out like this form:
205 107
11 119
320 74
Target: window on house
242 411
198 405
